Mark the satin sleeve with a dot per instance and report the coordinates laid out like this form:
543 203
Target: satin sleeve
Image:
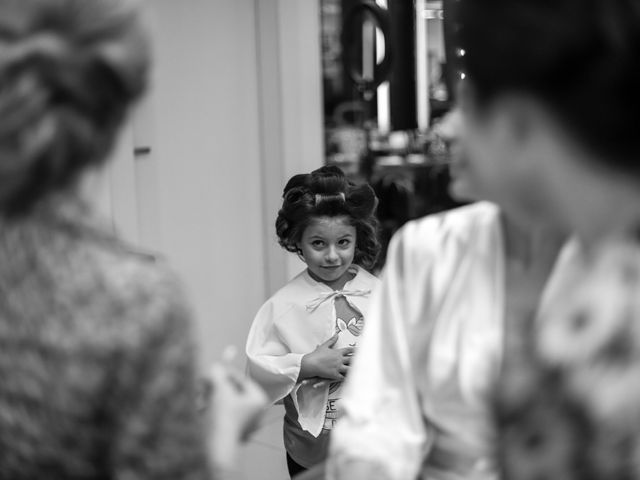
382 422
270 361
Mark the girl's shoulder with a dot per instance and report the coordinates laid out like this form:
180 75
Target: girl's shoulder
364 278
301 283
296 292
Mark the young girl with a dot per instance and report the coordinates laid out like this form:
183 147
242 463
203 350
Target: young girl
301 342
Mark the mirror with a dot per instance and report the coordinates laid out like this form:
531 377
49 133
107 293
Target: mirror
366 57
388 76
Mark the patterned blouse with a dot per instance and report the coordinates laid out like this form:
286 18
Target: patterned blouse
569 403
96 360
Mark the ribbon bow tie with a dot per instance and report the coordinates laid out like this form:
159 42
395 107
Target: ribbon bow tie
316 302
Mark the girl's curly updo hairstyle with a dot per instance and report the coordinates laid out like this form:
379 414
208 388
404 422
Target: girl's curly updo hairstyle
69 71
327 192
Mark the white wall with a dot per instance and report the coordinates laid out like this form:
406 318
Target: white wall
207 149
290 92
234 110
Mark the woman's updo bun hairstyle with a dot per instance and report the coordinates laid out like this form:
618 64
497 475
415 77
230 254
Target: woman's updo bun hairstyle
69 72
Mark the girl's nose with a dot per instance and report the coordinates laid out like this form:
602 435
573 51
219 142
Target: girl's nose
332 255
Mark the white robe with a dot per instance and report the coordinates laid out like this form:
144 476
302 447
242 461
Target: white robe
292 323
431 352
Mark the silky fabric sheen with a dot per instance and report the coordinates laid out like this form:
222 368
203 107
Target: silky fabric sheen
418 398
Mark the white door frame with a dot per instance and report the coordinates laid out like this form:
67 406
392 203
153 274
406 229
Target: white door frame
291 111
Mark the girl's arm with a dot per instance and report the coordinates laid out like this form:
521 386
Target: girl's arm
269 361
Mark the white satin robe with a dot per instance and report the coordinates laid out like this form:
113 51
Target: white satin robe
431 352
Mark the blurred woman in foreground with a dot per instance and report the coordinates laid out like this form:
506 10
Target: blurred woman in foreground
550 104
96 355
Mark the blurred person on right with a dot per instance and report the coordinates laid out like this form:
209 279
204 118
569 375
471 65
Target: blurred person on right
550 105
418 397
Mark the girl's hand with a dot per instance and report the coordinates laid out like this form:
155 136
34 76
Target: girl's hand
326 361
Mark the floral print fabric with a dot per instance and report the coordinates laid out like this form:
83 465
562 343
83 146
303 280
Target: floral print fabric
569 402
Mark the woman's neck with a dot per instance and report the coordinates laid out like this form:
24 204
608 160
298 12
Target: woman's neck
531 252
585 194
606 206
530 246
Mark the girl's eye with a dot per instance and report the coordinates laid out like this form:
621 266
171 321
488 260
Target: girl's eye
345 242
317 243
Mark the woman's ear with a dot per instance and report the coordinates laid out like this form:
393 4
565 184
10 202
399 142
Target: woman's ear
524 120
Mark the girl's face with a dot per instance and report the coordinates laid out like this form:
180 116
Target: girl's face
328 246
